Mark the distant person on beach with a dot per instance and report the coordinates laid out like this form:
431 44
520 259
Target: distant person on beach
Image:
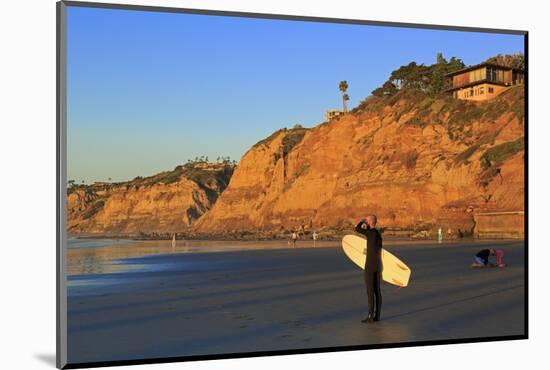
373 266
294 238
482 258
314 238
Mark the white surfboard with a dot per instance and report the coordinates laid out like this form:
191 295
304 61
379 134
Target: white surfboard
394 271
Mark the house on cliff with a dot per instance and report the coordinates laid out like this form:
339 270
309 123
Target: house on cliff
332 114
483 81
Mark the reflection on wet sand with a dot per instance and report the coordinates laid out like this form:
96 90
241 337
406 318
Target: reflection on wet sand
95 256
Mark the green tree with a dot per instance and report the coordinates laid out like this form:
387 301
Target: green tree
388 88
516 60
428 79
410 76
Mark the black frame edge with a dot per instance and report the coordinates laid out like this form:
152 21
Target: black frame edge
288 17
526 181
61 70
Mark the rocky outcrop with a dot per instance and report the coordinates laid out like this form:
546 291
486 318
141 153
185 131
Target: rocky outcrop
166 203
415 161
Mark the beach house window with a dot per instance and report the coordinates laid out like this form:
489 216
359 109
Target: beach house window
479 74
491 90
476 75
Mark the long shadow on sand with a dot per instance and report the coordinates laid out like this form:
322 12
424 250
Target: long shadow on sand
222 292
454 302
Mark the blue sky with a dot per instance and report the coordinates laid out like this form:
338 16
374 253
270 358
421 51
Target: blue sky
147 91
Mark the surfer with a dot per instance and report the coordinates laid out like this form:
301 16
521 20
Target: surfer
367 227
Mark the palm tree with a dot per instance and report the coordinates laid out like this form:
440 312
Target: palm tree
345 97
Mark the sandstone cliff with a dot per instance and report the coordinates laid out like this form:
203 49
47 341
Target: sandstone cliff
165 203
414 160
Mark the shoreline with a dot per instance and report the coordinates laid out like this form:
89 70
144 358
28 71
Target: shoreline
217 238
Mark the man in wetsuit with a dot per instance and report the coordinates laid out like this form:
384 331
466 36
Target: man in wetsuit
373 266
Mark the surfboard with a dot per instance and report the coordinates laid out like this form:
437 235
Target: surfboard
394 271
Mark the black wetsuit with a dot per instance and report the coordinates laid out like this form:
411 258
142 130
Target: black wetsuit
373 267
484 255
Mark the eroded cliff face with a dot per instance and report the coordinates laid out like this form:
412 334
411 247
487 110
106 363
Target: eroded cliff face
411 159
166 203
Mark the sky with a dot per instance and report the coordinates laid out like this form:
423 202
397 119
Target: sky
146 91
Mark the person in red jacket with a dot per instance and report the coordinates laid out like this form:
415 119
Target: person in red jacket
499 255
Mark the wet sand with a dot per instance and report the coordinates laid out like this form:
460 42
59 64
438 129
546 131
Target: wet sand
278 299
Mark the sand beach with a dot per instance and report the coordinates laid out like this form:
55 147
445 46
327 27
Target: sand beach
271 297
